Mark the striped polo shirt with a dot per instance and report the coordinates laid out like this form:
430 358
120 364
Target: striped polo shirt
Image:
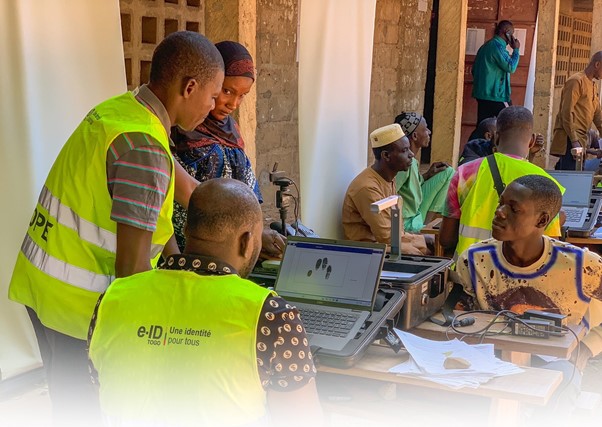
138 170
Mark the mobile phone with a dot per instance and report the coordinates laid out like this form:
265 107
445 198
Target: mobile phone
509 37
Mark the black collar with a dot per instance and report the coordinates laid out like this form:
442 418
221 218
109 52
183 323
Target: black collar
200 264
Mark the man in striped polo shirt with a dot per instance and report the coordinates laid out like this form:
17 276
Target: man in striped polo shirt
105 211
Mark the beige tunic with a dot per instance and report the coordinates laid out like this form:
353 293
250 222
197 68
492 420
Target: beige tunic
579 107
360 224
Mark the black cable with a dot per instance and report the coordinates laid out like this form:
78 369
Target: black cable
484 330
297 204
513 317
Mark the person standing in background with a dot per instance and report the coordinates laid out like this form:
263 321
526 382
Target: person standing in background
579 107
491 71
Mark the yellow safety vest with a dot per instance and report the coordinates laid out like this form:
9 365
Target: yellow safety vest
479 207
68 255
176 348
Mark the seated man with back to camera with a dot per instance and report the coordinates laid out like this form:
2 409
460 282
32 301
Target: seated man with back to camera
423 195
194 343
392 154
480 142
472 198
520 268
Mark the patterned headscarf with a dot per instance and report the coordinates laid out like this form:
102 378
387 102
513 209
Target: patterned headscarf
237 59
238 62
408 122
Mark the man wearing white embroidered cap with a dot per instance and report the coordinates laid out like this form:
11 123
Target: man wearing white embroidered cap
392 154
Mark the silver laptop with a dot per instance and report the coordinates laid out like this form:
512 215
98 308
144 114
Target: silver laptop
577 196
333 283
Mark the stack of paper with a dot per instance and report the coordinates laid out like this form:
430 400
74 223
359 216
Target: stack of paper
427 359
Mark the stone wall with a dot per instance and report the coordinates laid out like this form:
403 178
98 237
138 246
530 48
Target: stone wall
277 138
401 43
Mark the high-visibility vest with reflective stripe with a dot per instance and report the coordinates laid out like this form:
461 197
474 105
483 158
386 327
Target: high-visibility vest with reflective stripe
479 207
176 348
68 256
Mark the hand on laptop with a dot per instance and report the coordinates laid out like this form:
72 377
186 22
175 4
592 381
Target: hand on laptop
272 244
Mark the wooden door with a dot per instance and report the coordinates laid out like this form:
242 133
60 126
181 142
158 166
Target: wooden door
483 15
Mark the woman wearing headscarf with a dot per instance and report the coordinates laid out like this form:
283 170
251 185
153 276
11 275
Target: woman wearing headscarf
215 149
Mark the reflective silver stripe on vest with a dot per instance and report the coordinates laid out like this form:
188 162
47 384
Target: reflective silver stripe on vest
87 231
67 273
156 250
469 232
474 232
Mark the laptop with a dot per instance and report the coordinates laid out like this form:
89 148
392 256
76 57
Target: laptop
577 197
333 283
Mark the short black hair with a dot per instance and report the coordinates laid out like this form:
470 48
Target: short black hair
486 125
513 118
378 150
502 26
546 194
185 55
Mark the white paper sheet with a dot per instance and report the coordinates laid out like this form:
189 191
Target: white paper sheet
427 359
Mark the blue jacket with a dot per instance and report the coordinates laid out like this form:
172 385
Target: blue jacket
491 71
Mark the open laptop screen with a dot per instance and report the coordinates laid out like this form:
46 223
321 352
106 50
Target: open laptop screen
578 187
335 272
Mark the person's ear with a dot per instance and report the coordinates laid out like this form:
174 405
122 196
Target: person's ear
189 87
385 155
543 220
246 245
488 135
532 141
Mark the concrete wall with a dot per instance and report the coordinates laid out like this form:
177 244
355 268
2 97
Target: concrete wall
277 138
401 43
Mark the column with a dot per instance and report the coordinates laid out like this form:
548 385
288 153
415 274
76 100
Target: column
597 26
597 30
545 70
236 20
449 81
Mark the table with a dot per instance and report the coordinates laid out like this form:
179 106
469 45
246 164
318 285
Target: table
578 241
513 348
506 394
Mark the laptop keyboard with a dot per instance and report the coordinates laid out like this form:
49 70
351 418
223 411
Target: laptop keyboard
331 323
574 215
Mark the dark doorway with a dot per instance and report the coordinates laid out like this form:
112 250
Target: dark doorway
429 87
